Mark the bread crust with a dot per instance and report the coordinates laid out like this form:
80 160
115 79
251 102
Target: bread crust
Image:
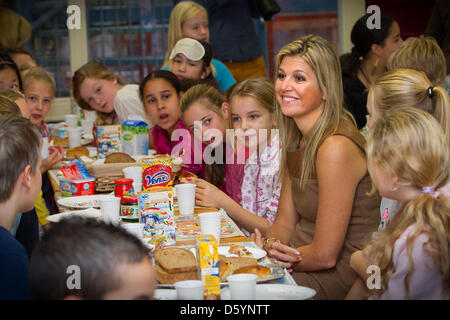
175 260
119 157
164 277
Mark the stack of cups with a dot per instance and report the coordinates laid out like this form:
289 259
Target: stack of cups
110 209
134 173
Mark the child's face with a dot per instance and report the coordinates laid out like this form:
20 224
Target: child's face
196 28
99 93
383 181
182 67
39 95
138 281
8 79
162 103
252 117
209 119
23 106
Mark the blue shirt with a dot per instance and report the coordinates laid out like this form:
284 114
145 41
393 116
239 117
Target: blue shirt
13 268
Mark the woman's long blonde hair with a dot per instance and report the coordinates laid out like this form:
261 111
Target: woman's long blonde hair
183 11
321 56
410 144
410 88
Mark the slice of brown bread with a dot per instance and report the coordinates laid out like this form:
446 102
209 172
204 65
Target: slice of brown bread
119 157
164 277
174 260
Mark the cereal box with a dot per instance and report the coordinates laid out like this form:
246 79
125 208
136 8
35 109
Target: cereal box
156 213
157 173
108 140
134 137
208 256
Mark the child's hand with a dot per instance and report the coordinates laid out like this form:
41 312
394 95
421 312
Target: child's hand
207 194
56 154
257 238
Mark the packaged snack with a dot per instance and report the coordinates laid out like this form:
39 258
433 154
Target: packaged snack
208 256
156 213
108 140
134 137
157 173
76 181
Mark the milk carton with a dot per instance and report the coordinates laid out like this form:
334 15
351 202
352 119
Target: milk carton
134 137
108 140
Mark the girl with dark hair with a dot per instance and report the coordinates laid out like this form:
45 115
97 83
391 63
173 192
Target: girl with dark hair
367 61
9 74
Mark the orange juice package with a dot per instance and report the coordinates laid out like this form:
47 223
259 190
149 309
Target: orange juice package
208 256
157 173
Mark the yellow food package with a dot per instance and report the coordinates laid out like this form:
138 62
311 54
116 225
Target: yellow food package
208 256
157 173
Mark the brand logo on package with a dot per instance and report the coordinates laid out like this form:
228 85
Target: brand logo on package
86 186
156 176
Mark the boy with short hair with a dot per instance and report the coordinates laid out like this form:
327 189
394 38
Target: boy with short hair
80 258
20 183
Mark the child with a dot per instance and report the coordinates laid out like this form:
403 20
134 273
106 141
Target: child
9 74
19 99
409 161
190 59
421 54
89 259
20 56
406 87
160 92
20 144
97 88
251 108
189 19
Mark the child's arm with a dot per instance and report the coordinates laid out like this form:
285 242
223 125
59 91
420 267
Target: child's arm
359 264
358 291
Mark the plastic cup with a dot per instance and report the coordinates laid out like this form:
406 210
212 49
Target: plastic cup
190 290
136 229
90 115
210 223
71 120
134 173
44 150
87 126
110 209
242 286
74 135
186 198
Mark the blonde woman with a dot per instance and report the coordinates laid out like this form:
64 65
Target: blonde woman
324 212
409 161
189 19
421 54
411 88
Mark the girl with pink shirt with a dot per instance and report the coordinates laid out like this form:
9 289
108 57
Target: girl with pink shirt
409 161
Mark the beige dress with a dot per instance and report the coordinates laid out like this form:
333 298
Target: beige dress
336 282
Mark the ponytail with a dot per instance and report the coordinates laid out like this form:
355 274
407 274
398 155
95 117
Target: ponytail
441 104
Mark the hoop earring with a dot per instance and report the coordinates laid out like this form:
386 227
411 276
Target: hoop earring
374 68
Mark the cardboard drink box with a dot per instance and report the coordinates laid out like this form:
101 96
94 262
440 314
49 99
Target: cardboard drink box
134 137
108 140
208 257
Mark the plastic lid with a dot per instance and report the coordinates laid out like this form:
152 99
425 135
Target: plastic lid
123 181
130 199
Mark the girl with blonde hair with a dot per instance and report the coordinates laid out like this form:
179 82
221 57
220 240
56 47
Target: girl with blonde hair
189 19
409 161
324 211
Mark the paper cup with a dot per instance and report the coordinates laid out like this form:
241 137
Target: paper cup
190 290
71 120
186 198
74 135
209 223
90 115
87 126
136 229
110 209
242 286
44 149
134 173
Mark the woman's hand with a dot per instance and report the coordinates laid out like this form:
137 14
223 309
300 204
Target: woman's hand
208 195
56 154
257 238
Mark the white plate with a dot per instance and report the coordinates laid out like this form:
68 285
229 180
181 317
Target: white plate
257 253
276 292
165 294
88 213
82 202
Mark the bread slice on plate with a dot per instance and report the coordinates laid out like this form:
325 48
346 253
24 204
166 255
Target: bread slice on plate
240 251
174 260
164 277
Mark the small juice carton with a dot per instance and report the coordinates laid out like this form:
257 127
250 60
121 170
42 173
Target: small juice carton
108 140
157 173
208 257
156 213
134 137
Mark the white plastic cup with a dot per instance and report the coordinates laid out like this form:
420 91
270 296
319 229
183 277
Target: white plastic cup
190 290
134 173
87 126
90 115
136 229
71 120
110 209
186 198
210 223
242 286
44 149
74 135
